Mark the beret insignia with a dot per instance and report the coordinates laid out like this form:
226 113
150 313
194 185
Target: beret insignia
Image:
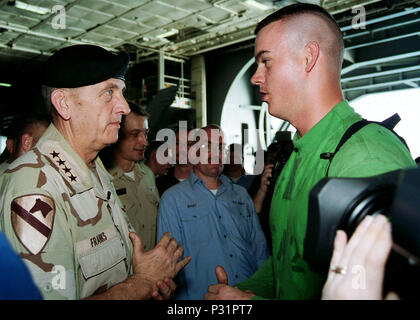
32 218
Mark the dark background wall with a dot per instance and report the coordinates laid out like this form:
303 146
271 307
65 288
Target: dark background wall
24 96
221 68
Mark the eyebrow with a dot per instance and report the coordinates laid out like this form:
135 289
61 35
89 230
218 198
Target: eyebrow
260 53
114 86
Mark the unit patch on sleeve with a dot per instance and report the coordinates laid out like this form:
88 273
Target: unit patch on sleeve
32 218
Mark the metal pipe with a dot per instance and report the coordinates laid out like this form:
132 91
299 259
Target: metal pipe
367 44
380 60
384 18
379 74
384 84
24 49
392 26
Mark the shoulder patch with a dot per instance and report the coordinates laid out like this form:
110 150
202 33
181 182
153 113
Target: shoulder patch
32 218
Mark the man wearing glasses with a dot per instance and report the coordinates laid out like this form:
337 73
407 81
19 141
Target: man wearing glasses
214 219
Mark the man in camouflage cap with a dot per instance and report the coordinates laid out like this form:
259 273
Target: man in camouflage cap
59 208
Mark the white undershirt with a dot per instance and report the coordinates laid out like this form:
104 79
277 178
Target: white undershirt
214 191
130 174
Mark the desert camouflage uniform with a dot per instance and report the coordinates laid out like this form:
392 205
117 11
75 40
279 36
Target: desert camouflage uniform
65 220
140 200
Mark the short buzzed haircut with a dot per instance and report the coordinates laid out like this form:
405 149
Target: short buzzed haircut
136 109
140 111
305 8
26 123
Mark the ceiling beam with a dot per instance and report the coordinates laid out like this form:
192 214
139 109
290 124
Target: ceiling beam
379 74
23 30
379 85
362 64
66 7
384 18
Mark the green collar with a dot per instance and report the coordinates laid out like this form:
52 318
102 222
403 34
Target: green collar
336 121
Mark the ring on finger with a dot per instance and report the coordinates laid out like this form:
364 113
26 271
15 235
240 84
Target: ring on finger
339 270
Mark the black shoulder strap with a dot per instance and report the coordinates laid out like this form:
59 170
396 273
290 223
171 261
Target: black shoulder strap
387 123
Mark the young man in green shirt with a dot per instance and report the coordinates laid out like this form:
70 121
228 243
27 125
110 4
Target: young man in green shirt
299 53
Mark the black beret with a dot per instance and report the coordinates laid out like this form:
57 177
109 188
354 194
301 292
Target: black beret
83 65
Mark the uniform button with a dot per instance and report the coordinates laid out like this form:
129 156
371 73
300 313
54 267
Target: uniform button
224 235
236 276
143 226
231 255
48 287
220 217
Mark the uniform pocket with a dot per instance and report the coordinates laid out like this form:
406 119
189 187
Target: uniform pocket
102 257
151 197
197 227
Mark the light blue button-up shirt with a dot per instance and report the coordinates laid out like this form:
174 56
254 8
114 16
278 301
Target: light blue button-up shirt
221 229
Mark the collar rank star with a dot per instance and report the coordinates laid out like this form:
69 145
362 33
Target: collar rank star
32 220
61 162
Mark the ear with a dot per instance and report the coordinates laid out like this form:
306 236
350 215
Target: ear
311 55
26 142
59 101
10 145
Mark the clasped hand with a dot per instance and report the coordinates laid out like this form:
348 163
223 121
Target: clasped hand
156 268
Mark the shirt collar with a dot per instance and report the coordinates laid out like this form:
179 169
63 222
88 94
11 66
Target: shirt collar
117 172
67 162
337 120
226 183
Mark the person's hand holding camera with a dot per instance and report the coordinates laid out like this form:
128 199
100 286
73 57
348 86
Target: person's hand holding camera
357 267
262 191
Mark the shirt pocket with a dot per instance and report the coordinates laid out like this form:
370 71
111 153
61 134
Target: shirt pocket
151 197
101 258
126 202
241 217
197 227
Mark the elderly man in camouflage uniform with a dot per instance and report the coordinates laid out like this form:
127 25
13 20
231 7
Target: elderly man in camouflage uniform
58 206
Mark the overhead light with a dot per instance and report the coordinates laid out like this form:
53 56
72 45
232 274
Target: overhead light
2 84
256 5
31 8
169 33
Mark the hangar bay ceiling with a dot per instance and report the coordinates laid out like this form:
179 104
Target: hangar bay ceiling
381 54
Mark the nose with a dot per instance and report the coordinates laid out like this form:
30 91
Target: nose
143 139
257 77
121 106
125 108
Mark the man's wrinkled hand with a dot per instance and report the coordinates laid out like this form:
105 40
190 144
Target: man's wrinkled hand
159 263
166 288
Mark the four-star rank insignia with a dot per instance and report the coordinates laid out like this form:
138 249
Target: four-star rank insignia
62 162
32 219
